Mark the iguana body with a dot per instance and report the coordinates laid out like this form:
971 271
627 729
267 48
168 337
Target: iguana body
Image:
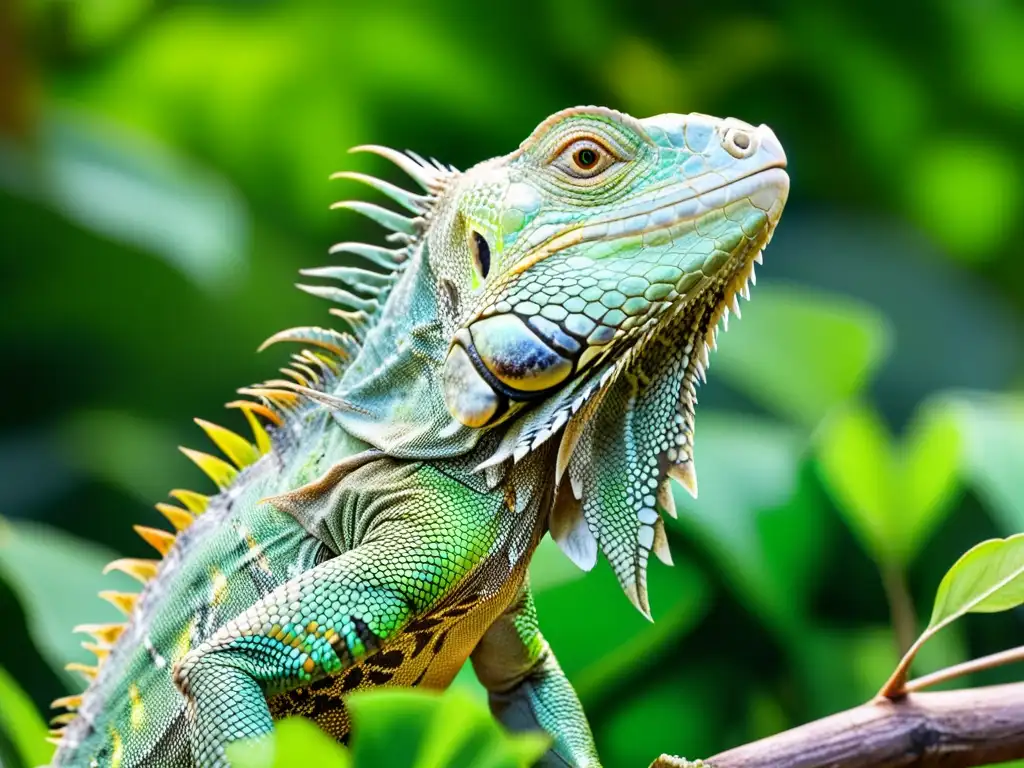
529 365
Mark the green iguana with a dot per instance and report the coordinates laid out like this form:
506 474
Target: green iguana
525 363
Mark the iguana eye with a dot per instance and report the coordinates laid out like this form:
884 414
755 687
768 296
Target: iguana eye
584 159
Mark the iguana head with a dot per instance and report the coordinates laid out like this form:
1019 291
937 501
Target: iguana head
599 228
568 290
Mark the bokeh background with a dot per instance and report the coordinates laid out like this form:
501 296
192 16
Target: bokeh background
163 176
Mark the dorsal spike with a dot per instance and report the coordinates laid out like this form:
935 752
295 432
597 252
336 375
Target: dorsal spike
160 540
101 651
295 375
67 702
234 446
275 396
327 338
358 321
218 470
316 364
139 569
395 222
195 503
104 633
426 177
309 372
408 200
123 601
324 360
385 258
89 673
259 433
176 516
660 546
63 719
340 296
365 280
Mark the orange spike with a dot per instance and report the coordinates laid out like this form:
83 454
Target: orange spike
248 405
194 502
175 515
89 673
140 570
250 409
218 470
233 445
160 540
101 651
123 601
104 633
63 719
282 398
67 702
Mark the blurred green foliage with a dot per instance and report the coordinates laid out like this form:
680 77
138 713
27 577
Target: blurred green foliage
163 175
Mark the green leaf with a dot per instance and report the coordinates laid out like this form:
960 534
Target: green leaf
294 740
56 577
799 352
858 465
419 729
21 723
988 578
992 427
891 496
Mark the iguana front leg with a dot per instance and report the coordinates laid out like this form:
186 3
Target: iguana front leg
528 690
427 534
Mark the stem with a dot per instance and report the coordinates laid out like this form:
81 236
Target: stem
991 661
895 685
901 606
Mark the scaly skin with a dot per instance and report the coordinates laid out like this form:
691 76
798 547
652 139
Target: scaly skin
528 366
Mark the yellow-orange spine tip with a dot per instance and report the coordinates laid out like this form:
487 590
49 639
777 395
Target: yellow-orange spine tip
103 633
231 444
89 673
258 432
140 570
123 601
218 470
63 719
101 651
67 702
176 516
160 540
195 503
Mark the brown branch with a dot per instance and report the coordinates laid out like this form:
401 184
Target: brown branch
952 729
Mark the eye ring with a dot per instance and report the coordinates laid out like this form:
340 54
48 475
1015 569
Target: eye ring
584 158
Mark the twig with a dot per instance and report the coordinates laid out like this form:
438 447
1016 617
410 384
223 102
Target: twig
952 729
993 660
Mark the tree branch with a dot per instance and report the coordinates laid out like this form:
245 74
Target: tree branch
953 729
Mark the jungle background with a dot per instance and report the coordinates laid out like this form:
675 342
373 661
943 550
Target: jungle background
163 176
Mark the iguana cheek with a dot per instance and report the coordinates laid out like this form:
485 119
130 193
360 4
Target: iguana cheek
469 398
516 356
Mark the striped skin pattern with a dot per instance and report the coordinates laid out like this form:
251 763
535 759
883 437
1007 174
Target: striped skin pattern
522 359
